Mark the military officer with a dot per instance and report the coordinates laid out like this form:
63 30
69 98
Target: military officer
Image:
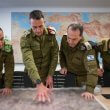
40 54
6 62
77 56
105 54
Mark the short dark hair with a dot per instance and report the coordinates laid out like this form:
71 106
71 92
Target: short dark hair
75 26
1 29
36 14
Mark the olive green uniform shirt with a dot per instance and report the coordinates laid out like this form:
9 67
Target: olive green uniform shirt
80 61
40 54
7 61
105 53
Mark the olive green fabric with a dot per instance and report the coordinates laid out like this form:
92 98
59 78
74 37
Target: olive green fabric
7 60
40 54
81 62
105 53
106 60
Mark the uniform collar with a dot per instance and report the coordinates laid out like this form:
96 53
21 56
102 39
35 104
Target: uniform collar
79 43
82 40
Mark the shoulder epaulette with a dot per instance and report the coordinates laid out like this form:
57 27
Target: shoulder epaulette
51 30
7 46
86 46
105 44
7 42
26 33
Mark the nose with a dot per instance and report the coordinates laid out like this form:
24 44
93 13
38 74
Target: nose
69 41
37 30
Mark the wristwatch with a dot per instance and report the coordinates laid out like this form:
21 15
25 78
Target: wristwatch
38 81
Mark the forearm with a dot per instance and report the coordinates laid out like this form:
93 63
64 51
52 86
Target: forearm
9 70
30 66
54 60
62 60
91 82
29 60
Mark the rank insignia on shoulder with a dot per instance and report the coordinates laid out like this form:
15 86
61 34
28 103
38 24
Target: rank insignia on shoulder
88 45
8 46
26 33
83 47
51 30
90 58
7 42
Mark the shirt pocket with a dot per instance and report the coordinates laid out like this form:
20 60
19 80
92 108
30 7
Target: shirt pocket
77 61
46 50
35 46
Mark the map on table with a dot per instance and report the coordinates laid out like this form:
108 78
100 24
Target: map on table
61 99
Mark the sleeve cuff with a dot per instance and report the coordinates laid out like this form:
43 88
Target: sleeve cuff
90 89
51 72
8 85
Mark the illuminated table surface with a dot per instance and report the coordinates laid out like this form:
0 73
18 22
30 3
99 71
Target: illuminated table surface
61 99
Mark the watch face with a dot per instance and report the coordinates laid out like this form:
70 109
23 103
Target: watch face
38 81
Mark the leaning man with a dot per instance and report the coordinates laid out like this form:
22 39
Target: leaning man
77 57
40 54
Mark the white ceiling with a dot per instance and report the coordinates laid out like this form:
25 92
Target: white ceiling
56 3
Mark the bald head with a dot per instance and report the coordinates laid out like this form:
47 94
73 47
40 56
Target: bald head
74 34
76 27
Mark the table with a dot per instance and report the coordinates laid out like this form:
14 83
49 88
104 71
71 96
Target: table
102 100
62 99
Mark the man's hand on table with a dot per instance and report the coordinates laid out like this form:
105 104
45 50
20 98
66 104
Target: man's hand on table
87 95
43 93
49 82
6 91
